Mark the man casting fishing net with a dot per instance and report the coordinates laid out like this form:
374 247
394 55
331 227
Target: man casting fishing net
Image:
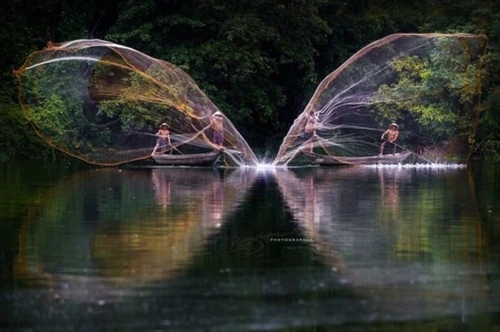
389 137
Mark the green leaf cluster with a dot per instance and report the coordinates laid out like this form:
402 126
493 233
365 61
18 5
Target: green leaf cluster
440 91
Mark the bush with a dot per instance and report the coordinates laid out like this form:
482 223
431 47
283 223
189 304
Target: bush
18 140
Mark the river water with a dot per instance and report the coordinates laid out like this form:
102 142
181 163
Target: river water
194 249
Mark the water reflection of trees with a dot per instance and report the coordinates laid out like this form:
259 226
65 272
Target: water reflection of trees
130 226
400 234
397 210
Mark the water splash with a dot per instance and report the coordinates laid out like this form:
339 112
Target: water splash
420 166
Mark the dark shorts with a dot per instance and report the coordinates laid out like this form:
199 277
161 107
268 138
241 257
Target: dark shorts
162 143
217 138
389 146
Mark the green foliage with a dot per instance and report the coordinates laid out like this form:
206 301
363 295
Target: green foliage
142 100
53 101
17 138
481 17
441 90
28 26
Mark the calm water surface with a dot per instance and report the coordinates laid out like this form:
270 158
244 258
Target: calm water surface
245 249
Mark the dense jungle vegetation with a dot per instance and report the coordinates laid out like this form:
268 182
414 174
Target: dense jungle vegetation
259 61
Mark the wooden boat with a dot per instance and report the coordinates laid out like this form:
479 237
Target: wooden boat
195 159
326 160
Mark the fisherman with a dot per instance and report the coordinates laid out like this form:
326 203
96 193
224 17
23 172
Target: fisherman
163 141
389 137
217 125
310 130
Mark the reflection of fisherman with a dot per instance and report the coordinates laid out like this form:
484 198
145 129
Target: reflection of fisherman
390 192
217 125
162 188
310 130
217 204
311 210
392 134
163 141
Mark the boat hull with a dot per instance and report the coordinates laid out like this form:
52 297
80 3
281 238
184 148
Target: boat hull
326 160
196 159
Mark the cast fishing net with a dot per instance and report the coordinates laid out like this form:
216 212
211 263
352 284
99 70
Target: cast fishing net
104 103
427 84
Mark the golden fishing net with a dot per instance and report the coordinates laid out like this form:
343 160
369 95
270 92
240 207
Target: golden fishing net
104 103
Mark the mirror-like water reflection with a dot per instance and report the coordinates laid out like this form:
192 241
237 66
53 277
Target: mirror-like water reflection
242 249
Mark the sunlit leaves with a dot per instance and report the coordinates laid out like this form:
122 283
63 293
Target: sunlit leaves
439 88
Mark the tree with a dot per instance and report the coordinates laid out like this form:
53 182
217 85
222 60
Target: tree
251 58
28 26
480 17
438 91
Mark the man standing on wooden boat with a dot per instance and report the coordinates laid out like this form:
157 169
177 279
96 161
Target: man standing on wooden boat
389 137
310 130
163 141
218 129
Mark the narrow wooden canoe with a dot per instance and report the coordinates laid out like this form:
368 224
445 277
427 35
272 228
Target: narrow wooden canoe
326 160
195 159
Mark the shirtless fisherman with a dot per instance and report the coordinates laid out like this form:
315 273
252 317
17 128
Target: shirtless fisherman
163 141
389 137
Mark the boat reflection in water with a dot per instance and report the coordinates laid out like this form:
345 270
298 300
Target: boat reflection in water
110 227
302 194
